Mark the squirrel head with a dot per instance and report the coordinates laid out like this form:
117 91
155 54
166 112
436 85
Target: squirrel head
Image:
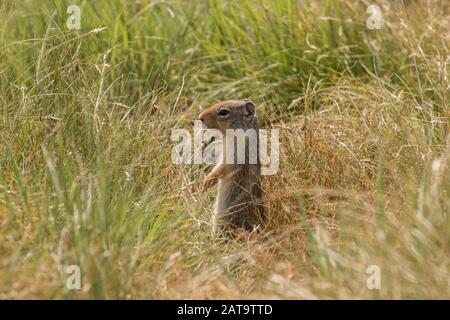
230 114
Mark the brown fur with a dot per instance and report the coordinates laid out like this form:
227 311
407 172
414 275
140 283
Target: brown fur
238 205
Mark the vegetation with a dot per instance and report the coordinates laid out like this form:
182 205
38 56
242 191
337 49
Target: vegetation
86 173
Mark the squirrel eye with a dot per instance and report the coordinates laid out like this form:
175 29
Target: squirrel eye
223 112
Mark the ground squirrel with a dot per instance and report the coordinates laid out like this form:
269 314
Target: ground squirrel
238 203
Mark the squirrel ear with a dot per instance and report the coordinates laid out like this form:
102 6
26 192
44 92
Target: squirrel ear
249 107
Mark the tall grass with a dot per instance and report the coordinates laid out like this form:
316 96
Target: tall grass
86 174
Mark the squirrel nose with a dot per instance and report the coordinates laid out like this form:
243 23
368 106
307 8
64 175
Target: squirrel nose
201 119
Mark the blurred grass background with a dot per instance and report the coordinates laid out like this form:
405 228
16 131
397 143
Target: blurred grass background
86 174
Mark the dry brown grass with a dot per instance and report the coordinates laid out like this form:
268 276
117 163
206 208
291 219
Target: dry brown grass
86 174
